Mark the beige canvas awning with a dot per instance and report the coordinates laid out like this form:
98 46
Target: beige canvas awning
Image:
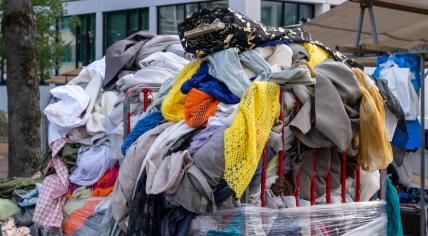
405 28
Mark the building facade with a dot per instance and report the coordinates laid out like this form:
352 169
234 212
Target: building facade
102 22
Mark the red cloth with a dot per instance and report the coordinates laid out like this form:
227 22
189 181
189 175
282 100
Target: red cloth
104 185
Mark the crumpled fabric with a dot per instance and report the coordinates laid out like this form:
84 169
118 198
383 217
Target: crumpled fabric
226 66
244 140
122 54
145 124
194 193
156 69
394 226
204 82
159 148
198 108
129 171
170 173
173 103
104 186
8 228
78 217
8 185
336 92
48 212
375 150
92 163
316 54
8 208
67 112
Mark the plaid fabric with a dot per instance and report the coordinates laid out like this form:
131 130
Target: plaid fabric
58 144
48 212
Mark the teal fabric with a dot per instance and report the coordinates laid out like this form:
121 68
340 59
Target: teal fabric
395 227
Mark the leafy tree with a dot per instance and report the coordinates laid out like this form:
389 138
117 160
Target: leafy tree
49 45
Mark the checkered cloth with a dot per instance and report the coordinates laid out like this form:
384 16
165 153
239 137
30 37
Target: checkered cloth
48 212
58 144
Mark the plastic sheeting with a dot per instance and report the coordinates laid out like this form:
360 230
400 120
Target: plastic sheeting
366 218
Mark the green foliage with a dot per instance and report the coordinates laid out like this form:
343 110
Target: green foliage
49 45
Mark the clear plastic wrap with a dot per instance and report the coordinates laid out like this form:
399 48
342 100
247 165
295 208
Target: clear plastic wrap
363 218
85 216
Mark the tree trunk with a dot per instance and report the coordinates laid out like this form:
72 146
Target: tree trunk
18 25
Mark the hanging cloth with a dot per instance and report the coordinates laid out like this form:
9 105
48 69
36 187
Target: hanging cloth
244 140
375 151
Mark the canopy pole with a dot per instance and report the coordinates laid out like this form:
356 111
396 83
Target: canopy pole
372 22
359 26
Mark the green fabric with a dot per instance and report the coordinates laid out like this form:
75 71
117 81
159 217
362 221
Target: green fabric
8 185
78 200
394 227
8 208
68 154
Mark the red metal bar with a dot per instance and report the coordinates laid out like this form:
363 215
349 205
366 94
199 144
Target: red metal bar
314 172
281 153
146 92
343 173
129 122
263 190
328 185
357 184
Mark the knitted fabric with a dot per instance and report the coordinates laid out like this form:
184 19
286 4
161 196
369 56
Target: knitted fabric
375 150
198 107
173 103
316 54
245 139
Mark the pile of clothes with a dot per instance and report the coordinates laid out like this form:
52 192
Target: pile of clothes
198 148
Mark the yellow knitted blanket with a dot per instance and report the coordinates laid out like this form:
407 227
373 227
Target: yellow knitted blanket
245 139
374 150
173 103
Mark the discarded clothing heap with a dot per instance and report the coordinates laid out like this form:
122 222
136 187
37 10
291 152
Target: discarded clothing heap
200 143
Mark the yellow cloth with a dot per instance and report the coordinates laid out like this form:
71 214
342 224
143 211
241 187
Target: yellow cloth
374 150
173 103
244 140
317 54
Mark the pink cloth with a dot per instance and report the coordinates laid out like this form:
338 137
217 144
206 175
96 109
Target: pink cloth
58 144
48 212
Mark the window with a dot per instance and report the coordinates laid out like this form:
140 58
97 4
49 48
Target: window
120 24
281 13
79 38
170 16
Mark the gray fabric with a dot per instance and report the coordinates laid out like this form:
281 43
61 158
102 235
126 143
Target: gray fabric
226 67
255 62
128 174
299 52
210 158
158 43
324 157
122 54
336 109
275 137
298 74
194 193
170 173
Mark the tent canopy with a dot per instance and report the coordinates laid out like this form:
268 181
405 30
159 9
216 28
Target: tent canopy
405 28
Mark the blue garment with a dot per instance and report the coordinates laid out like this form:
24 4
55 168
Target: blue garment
413 141
403 61
222 192
176 222
145 124
394 227
204 82
273 43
